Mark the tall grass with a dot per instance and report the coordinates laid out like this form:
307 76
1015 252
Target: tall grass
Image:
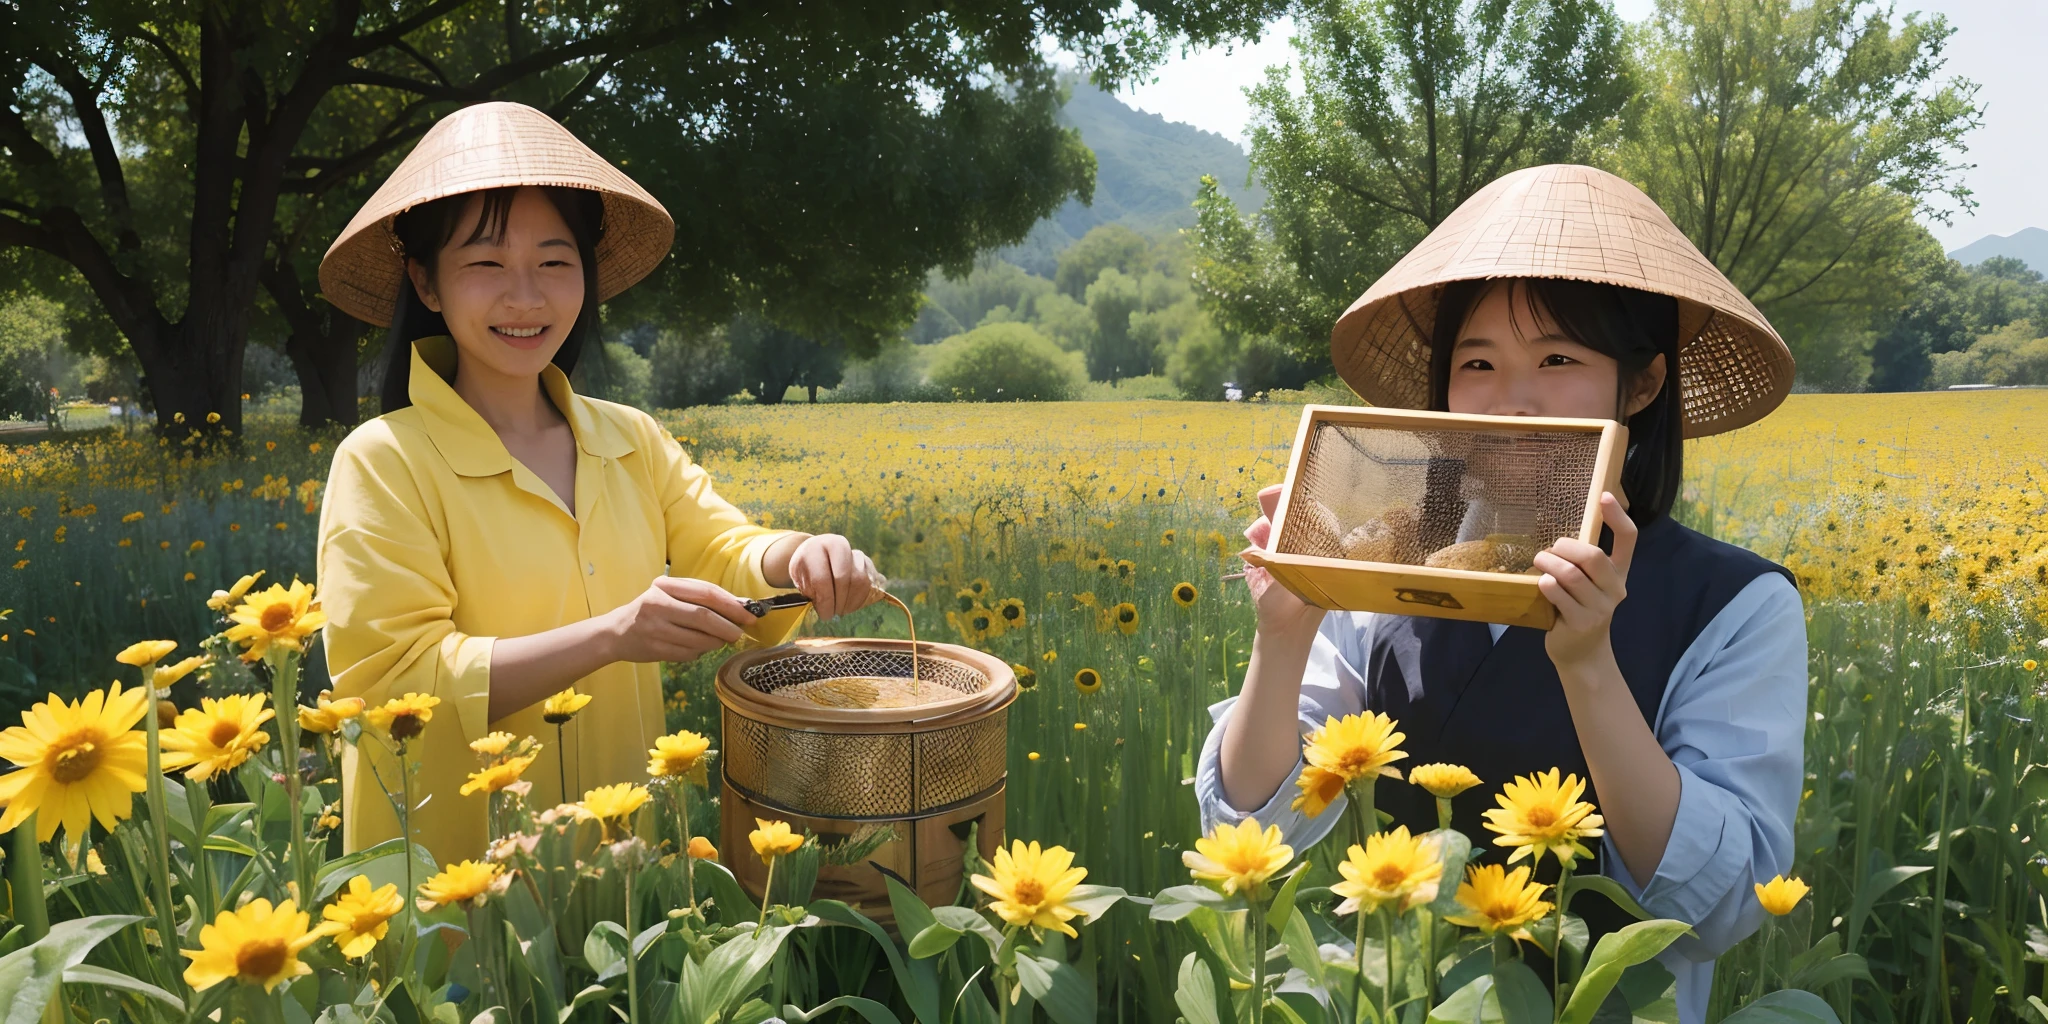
1921 829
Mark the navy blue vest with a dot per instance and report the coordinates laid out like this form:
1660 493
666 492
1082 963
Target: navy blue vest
1499 708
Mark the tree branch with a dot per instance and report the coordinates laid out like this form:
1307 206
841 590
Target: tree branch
106 160
171 57
353 75
367 44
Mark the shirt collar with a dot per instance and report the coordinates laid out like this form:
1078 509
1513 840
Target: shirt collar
469 444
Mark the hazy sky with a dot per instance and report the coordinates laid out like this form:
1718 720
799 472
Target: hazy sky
2000 44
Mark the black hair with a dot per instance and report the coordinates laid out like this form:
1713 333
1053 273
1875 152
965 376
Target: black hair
426 229
1631 326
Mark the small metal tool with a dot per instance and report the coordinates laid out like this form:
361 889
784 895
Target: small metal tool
758 607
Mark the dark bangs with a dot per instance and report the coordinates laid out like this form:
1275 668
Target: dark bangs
1632 327
426 229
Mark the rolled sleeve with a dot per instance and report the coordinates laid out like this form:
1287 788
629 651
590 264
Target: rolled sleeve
1734 725
1331 686
711 540
389 598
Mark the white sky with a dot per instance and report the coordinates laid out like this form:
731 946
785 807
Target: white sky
1999 44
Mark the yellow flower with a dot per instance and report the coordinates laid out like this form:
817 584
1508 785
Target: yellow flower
965 600
1343 751
978 587
1239 858
493 745
216 736
772 839
330 713
1497 900
679 755
76 762
1085 599
1125 569
1184 594
459 883
614 803
980 624
1027 677
1087 680
2030 664
1030 886
255 944
404 717
363 914
1539 814
702 849
1011 611
1393 867
222 600
146 652
1049 656
165 675
281 616
563 706
1125 616
1781 894
1443 781
497 776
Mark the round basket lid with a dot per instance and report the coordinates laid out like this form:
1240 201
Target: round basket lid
833 684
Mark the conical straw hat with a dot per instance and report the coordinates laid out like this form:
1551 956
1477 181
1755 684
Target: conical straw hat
1581 223
491 145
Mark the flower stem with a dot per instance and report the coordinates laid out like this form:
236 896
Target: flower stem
561 765
767 890
160 835
284 699
196 799
1257 926
25 874
1443 813
1387 990
1358 978
632 961
1564 877
689 863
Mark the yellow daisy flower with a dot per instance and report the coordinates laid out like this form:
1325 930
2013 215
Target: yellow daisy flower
1540 813
1393 867
364 916
404 717
216 736
1443 781
1030 886
1087 680
1125 617
1781 894
222 600
460 883
614 803
257 945
1185 594
679 755
493 745
497 776
563 706
76 762
281 616
146 652
163 676
329 713
1496 900
772 839
1343 751
1238 859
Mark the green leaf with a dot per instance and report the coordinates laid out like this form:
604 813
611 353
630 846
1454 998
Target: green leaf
1649 990
1471 1004
1301 948
1841 967
1523 999
1058 987
1789 1006
1876 884
967 920
1283 902
88 974
933 940
1177 902
1453 850
917 980
869 1010
726 978
590 994
1196 994
912 914
30 975
728 899
1474 965
1093 900
604 949
1287 1012
1609 888
1616 952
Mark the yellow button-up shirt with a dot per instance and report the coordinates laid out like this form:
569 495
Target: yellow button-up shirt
434 541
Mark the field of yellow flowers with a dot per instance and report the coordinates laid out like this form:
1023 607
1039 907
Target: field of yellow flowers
1086 543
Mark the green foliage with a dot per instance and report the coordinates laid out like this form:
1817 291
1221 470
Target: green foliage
1004 362
2014 354
1952 308
1794 143
1109 247
691 368
771 359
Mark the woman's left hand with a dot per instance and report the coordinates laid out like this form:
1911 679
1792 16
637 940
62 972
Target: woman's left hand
836 577
1586 584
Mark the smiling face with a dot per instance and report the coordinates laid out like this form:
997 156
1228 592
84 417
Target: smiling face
1510 360
510 291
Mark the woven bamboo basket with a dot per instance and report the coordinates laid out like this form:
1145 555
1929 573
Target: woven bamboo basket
1428 513
932 771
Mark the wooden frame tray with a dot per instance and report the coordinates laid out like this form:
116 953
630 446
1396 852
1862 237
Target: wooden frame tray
1349 584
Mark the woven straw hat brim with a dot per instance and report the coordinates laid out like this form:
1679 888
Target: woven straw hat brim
1578 223
491 145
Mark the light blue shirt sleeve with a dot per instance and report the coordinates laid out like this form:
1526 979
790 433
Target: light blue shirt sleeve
1332 686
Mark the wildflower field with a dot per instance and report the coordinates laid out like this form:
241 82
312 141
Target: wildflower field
1085 543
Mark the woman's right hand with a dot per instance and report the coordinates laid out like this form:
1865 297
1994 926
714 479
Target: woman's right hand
676 619
1281 614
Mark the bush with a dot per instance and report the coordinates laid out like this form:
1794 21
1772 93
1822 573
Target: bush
1004 362
2013 354
895 374
692 368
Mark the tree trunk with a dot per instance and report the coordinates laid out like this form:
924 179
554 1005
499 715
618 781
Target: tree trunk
322 348
814 394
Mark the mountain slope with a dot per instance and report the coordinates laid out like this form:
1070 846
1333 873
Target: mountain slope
1146 172
2029 245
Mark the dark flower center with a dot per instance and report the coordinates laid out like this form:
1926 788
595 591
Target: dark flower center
262 958
277 618
224 732
79 756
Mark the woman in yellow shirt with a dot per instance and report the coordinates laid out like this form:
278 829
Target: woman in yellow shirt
494 537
